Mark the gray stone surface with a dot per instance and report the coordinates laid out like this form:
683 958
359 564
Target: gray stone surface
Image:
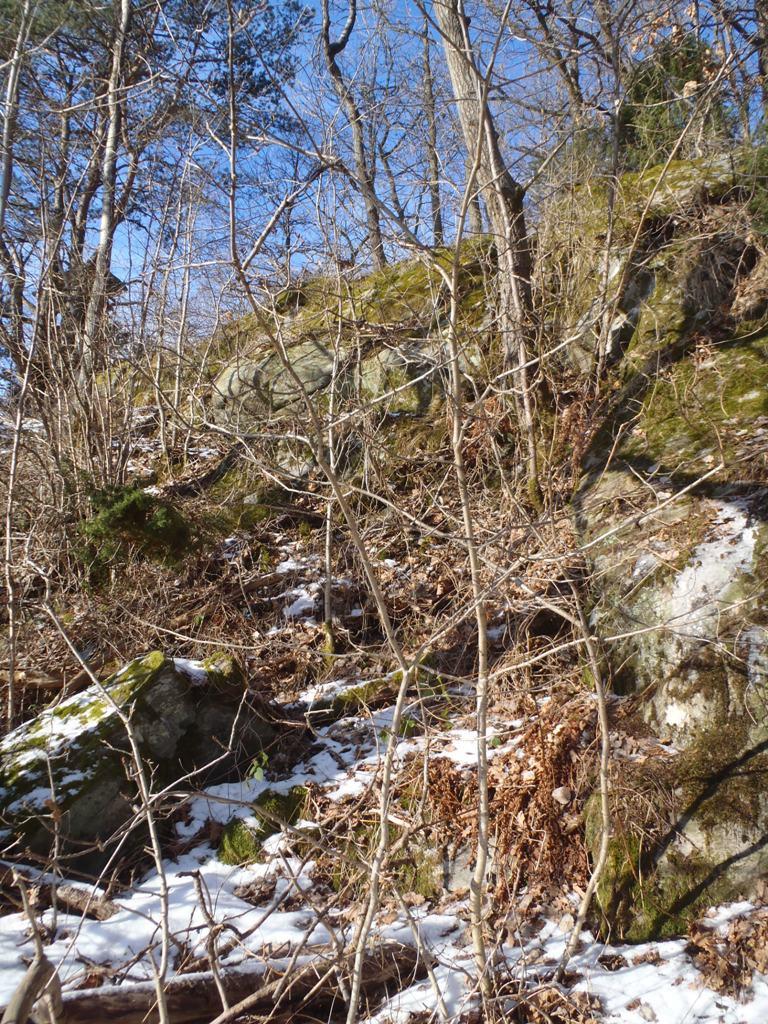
69 772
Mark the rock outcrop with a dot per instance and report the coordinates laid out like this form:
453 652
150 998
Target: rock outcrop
68 777
380 341
672 513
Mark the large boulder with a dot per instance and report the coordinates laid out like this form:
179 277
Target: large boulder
672 513
251 389
675 523
396 378
68 776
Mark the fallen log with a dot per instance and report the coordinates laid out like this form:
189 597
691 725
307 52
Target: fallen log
195 999
68 897
28 679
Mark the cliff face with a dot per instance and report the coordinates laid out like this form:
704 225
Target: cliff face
672 512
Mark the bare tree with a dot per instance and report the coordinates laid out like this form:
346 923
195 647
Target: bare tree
504 198
102 260
433 162
364 160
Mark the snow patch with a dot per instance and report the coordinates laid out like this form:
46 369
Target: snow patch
700 591
193 670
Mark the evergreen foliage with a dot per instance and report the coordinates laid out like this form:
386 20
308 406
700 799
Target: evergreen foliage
661 95
130 517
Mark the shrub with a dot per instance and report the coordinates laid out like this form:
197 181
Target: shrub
130 517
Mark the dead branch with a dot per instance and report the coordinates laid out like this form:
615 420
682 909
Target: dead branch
40 986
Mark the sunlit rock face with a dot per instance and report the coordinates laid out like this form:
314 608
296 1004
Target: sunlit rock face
672 512
252 389
378 341
68 777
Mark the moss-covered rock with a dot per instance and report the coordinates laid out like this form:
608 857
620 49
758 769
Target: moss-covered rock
251 389
680 597
379 338
418 867
70 771
403 379
640 278
672 511
243 838
689 831
342 700
682 583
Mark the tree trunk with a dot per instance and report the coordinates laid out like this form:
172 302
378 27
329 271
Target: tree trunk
363 168
103 257
504 202
12 268
475 209
761 20
433 163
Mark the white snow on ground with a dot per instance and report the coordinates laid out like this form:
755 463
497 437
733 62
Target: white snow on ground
123 938
303 602
269 909
635 984
700 591
654 982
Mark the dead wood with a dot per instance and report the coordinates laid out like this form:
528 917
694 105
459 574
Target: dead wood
68 897
41 974
255 986
199 484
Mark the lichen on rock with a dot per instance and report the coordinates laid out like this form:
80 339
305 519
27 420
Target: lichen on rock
69 772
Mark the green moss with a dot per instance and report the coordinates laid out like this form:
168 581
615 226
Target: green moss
725 779
238 844
127 683
413 288
364 696
223 671
383 373
375 692
634 904
239 499
409 726
686 835
701 412
242 840
678 184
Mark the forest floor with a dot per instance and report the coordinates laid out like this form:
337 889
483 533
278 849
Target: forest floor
289 907
294 899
